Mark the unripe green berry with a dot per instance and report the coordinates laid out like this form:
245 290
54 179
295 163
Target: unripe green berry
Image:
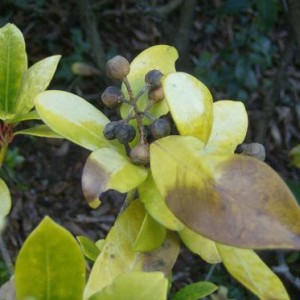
152 79
160 128
125 133
112 97
117 68
109 131
140 154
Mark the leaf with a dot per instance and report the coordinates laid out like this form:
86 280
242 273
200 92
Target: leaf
135 286
89 249
35 80
267 13
8 290
50 265
5 199
117 255
294 156
151 235
13 63
160 57
156 206
39 130
195 291
234 199
73 118
32 115
246 266
227 131
107 169
200 245
190 104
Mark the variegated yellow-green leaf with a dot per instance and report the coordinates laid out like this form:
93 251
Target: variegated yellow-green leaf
151 235
73 118
156 206
190 104
117 255
200 245
195 291
135 286
35 80
5 199
13 63
160 57
39 130
234 199
107 169
50 265
294 156
246 266
32 115
89 249
229 129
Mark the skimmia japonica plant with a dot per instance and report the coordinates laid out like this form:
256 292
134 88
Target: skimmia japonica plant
183 182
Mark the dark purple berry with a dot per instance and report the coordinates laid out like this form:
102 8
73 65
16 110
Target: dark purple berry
112 97
160 128
125 133
152 79
109 130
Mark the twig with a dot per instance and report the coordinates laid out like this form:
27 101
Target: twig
89 23
284 269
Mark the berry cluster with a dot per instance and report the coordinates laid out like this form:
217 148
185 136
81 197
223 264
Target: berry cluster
118 68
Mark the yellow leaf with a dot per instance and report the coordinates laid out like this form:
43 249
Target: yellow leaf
160 57
200 245
151 235
156 206
233 199
5 199
117 255
107 169
246 266
135 286
229 127
73 118
190 104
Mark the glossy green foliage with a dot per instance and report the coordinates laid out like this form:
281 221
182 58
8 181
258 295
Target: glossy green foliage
195 291
50 265
88 247
135 286
118 255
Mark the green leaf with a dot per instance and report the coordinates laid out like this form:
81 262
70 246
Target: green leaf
200 245
107 169
50 265
117 255
160 57
267 13
135 286
227 131
32 115
39 130
13 63
151 235
36 79
73 118
190 104
234 199
156 206
195 291
246 266
89 249
5 199
294 156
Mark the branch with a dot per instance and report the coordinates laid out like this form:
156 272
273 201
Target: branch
89 24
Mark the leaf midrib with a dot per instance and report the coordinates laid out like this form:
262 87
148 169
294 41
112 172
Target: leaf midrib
7 75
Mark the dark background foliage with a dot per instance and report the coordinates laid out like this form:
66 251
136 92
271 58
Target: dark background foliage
241 49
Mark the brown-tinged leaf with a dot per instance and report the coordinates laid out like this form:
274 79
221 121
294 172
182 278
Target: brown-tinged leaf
236 200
